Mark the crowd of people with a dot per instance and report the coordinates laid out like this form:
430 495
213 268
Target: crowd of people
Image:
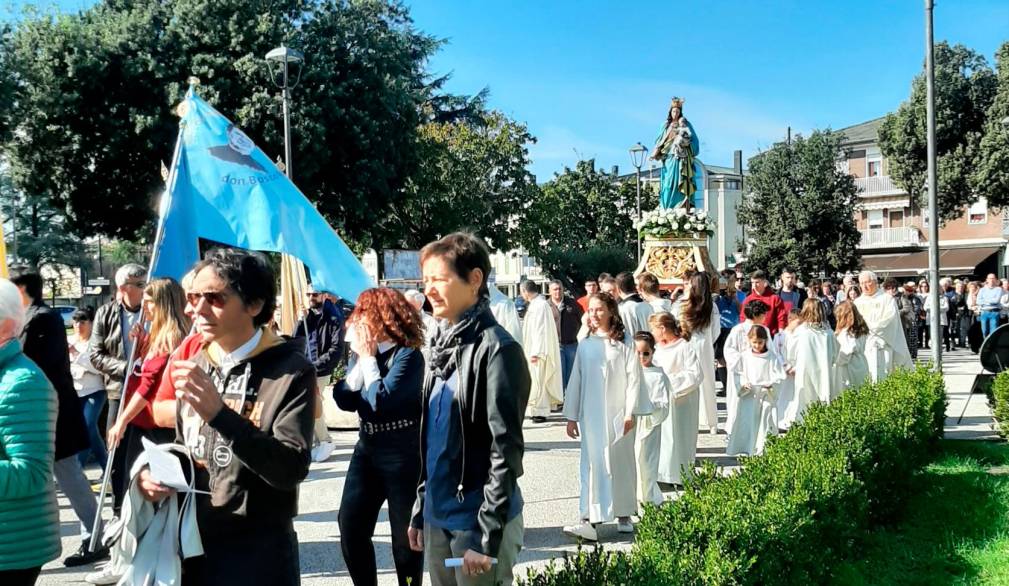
440 383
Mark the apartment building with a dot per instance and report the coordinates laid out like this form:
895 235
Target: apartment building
895 228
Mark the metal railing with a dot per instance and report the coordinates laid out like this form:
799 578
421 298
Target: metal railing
883 237
878 185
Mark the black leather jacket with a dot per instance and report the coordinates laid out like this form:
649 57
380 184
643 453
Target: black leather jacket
107 347
492 395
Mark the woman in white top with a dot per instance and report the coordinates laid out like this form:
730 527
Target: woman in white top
698 316
603 397
90 386
851 368
678 358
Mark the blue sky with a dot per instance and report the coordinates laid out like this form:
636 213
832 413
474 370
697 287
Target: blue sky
591 78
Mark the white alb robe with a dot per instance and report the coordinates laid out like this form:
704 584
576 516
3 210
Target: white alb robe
678 446
605 389
660 305
851 368
649 434
703 342
812 351
505 313
539 339
786 390
885 346
635 316
736 343
755 418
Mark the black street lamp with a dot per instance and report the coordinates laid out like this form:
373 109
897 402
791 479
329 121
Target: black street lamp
281 61
638 153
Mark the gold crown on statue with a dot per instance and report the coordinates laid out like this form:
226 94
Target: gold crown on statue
677 102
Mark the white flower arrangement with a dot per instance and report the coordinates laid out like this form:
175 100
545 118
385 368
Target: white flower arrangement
675 223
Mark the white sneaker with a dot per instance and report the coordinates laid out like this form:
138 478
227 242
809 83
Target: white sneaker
582 531
624 525
106 574
713 430
323 451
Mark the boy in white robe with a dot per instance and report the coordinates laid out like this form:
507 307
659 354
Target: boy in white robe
737 344
786 390
678 358
758 382
649 434
811 354
604 395
851 368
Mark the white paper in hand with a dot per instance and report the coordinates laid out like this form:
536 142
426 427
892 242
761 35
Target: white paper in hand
165 468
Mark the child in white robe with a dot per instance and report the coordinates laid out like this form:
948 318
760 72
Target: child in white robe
786 390
604 395
811 354
737 344
649 434
758 382
679 359
851 368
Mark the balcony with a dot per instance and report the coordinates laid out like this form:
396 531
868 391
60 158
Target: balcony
890 237
877 186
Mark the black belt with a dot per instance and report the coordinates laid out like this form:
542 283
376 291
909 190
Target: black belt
373 428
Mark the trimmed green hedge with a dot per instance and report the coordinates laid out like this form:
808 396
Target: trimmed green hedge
789 515
998 397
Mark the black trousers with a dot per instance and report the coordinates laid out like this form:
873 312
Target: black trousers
251 558
26 577
384 467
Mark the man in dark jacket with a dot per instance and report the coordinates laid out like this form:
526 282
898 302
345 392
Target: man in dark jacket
322 326
469 505
111 351
571 321
45 341
246 410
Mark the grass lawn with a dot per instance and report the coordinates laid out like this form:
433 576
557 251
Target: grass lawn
955 529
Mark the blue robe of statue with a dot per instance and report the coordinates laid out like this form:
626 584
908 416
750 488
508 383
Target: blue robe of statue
670 194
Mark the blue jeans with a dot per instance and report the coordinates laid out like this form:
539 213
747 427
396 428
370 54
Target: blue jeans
989 321
92 407
568 352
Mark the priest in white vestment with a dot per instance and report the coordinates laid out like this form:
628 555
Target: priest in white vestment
603 398
885 346
543 351
505 313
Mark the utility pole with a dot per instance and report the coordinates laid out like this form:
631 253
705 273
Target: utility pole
933 219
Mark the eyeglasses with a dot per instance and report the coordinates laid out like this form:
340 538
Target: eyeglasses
645 353
214 298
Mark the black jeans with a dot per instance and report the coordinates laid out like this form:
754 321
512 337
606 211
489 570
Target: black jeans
249 558
384 467
26 577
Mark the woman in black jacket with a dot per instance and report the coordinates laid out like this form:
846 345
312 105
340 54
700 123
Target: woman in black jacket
383 386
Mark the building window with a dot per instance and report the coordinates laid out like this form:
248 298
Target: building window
977 213
896 218
874 167
875 219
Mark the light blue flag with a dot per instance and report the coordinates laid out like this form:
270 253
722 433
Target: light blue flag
225 189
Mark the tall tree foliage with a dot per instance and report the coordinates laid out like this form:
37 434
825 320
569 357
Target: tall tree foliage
96 91
582 220
991 173
36 231
800 209
964 89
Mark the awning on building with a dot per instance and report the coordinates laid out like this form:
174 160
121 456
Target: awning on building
952 261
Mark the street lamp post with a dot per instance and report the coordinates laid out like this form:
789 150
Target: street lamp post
638 153
933 216
280 60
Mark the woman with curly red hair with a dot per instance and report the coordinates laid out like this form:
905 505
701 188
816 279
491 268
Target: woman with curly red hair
383 385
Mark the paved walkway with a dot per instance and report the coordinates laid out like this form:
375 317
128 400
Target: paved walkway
550 487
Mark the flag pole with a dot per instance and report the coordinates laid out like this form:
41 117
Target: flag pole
163 207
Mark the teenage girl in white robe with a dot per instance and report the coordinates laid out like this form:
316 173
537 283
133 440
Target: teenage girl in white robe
851 368
690 311
759 380
678 358
812 352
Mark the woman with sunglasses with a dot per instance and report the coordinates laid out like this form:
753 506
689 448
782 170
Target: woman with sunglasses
383 386
164 308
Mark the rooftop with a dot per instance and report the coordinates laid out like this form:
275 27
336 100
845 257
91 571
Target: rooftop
866 132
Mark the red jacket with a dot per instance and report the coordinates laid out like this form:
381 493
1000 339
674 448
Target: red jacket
777 317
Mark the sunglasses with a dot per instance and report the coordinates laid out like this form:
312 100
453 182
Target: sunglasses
645 353
313 294
214 298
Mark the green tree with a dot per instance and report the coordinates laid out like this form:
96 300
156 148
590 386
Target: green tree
964 89
991 173
472 174
36 234
582 223
94 112
799 212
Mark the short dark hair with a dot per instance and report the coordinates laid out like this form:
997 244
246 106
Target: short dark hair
29 278
626 284
645 337
248 274
891 283
464 252
788 270
755 308
82 315
529 286
758 274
